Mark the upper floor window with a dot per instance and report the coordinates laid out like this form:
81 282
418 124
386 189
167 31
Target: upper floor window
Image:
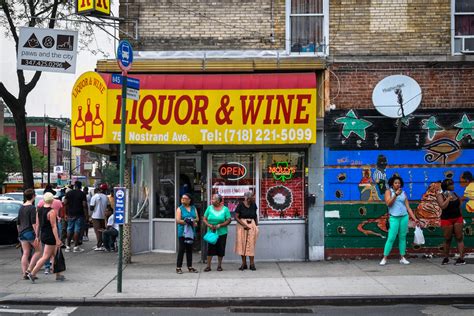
307 26
33 137
463 26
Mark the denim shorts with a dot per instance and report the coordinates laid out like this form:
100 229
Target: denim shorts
75 224
27 235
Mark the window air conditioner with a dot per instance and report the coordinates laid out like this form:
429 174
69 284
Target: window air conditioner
467 45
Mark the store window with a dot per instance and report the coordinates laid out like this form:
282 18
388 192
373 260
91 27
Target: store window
282 186
140 189
232 176
165 186
306 26
463 26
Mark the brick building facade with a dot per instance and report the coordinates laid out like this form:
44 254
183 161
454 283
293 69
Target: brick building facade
349 46
370 41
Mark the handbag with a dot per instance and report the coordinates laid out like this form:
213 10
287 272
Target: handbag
59 262
211 237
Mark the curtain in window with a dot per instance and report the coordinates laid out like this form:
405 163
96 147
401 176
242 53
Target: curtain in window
464 25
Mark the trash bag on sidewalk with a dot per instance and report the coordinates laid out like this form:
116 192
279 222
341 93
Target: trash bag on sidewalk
59 262
419 238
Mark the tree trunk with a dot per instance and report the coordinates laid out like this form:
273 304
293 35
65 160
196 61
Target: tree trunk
23 150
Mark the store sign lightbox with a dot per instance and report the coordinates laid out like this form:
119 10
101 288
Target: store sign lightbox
198 110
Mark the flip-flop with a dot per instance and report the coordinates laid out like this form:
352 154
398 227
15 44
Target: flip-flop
207 269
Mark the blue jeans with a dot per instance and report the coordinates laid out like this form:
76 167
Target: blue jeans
75 224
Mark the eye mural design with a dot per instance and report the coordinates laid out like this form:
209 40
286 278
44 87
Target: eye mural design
440 149
341 177
362 211
341 230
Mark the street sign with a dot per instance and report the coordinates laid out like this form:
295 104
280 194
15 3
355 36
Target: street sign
119 194
125 55
47 50
133 94
131 82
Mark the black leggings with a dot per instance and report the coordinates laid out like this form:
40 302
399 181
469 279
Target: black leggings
182 248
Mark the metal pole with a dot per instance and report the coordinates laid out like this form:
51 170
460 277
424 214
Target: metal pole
122 176
49 153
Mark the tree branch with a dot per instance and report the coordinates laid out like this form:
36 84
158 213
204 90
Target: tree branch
32 84
46 9
6 9
54 12
7 96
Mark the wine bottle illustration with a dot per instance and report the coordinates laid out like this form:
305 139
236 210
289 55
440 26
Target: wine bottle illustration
97 124
88 122
79 127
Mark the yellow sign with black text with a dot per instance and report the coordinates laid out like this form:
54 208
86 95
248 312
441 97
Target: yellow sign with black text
212 115
93 7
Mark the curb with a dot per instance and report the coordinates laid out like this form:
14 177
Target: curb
256 302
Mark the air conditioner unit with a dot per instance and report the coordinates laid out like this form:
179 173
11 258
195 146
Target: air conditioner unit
467 45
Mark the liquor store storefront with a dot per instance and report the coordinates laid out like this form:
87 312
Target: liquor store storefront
206 134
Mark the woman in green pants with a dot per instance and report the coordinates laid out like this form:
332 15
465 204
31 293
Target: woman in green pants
399 209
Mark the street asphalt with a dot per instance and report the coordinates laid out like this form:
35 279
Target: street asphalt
151 280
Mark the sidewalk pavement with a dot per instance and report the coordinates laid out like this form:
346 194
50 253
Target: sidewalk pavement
151 280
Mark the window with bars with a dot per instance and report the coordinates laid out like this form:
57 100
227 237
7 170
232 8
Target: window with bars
306 26
463 26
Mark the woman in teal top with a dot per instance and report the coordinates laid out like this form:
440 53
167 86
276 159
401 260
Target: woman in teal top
217 218
187 218
399 208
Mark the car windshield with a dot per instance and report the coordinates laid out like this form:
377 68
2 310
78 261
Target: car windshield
9 208
16 195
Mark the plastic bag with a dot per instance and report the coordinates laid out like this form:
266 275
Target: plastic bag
59 262
419 238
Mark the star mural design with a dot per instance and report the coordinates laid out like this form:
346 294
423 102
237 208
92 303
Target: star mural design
406 120
353 124
466 128
432 127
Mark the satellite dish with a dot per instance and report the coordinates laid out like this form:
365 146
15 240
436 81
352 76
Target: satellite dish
396 96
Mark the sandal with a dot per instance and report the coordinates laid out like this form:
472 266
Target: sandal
219 269
192 270
179 271
243 267
207 269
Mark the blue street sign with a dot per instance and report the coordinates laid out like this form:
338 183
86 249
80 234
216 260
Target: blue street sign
131 82
125 55
119 194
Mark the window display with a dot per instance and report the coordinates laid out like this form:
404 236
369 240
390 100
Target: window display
232 176
282 186
165 186
140 189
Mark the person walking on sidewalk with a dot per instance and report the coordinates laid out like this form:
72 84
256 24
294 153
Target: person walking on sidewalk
187 219
216 218
467 182
46 218
98 205
77 214
399 209
451 220
246 230
26 233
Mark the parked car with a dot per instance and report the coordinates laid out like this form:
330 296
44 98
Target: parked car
18 196
8 220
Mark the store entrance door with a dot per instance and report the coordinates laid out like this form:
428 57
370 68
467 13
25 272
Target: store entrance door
188 175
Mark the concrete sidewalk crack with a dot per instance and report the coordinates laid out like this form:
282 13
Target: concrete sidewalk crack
372 277
284 278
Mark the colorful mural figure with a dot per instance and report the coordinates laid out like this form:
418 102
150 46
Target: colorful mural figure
432 147
467 182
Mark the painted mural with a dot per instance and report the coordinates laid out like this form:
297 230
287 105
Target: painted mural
361 153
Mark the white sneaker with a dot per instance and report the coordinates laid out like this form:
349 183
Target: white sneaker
85 238
404 261
68 249
383 262
78 249
99 249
